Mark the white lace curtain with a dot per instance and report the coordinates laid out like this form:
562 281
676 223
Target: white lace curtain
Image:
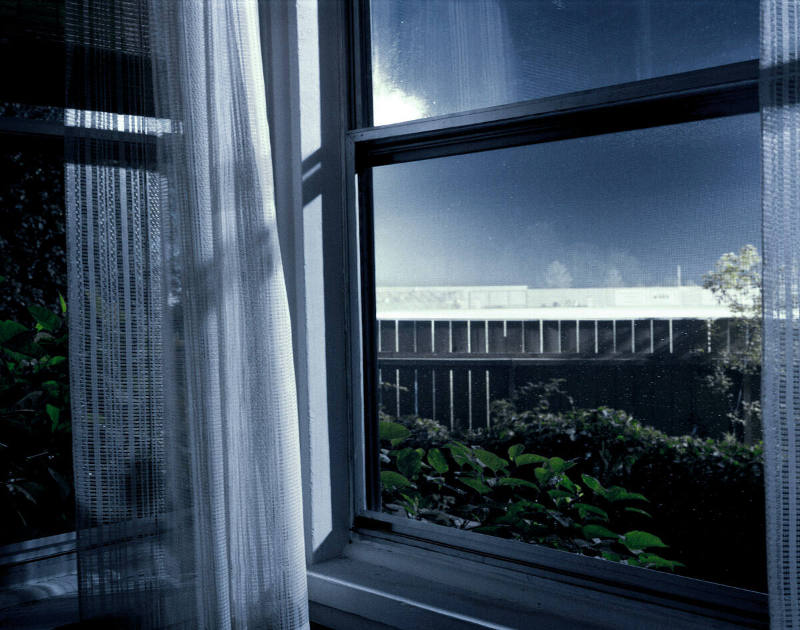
187 469
780 115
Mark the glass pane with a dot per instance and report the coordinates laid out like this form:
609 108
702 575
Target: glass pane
36 495
596 301
434 57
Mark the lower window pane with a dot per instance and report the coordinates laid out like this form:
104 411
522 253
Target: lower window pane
569 344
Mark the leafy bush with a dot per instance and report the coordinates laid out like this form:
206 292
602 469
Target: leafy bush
526 497
36 495
706 497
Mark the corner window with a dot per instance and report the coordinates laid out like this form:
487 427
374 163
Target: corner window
561 296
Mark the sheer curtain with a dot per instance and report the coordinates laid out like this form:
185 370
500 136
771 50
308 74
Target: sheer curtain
187 467
780 116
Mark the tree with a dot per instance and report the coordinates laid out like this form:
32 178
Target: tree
557 276
735 282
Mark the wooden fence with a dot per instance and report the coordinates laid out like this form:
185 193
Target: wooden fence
452 370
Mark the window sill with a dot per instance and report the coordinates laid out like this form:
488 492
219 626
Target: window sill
385 584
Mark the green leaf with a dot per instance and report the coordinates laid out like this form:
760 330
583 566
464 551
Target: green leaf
475 484
641 540
391 480
585 508
515 482
542 475
559 494
594 485
54 412
460 453
490 460
57 360
557 465
638 511
597 531
409 462
45 320
653 560
515 450
393 432
617 493
437 460
566 483
10 329
529 458
610 555
63 303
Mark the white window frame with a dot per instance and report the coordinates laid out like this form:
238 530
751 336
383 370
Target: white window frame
368 569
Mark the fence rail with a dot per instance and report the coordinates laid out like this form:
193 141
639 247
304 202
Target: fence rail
452 370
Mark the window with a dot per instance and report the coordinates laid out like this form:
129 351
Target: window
541 271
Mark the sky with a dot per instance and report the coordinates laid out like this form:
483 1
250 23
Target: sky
621 209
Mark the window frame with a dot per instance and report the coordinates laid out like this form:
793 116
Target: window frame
707 93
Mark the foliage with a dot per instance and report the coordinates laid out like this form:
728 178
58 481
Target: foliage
706 496
523 496
735 282
31 228
36 495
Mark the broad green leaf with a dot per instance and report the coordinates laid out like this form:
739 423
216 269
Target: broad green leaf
54 412
566 483
559 494
529 458
542 475
514 482
10 329
653 560
57 360
392 431
597 531
585 508
45 319
437 460
459 452
409 463
610 555
475 484
515 450
594 485
487 529
641 540
638 511
391 480
63 303
556 464
490 460
617 493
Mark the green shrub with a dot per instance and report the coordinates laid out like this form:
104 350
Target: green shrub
706 497
525 497
36 494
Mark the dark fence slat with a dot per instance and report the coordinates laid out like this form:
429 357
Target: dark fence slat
532 337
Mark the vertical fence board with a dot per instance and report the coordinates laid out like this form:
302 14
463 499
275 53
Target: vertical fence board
406 337
513 338
461 398
387 336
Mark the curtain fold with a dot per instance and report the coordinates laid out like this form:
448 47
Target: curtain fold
186 457
780 117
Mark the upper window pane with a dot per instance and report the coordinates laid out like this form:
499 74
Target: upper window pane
432 57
